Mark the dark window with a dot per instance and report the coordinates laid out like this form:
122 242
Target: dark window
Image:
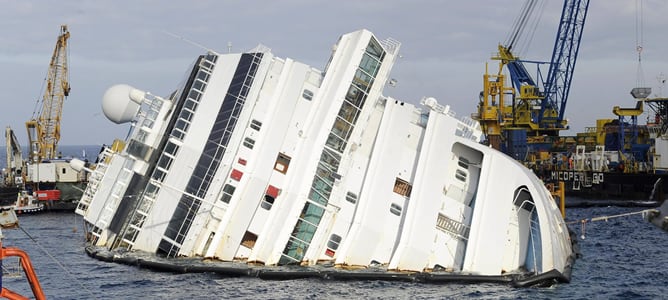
460 175
228 191
308 95
249 239
255 124
395 209
334 241
351 197
268 202
249 143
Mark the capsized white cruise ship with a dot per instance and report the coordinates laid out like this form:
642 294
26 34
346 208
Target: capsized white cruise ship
265 162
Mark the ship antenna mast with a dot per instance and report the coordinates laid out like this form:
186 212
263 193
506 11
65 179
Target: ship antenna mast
198 45
640 76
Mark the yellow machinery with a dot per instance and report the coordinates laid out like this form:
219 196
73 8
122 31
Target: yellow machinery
44 129
510 115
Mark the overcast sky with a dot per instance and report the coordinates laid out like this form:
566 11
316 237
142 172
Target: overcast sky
445 45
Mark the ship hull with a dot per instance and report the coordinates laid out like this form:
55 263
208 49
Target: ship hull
593 188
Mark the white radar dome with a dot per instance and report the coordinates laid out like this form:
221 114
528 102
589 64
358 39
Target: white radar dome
120 103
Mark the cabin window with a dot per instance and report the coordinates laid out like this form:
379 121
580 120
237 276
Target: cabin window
158 174
308 95
182 125
248 240
395 209
190 104
402 187
334 241
165 162
151 190
282 163
228 190
255 124
522 199
64 171
171 148
249 143
351 197
269 197
460 175
463 162
268 202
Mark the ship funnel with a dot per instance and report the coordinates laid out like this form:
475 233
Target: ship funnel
121 102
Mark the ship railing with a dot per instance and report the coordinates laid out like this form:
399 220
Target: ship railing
455 228
91 188
94 180
391 45
469 129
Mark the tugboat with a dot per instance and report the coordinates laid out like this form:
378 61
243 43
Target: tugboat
269 167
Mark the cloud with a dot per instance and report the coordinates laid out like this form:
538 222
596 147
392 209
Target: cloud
445 46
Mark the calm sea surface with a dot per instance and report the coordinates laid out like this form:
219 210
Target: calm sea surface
622 258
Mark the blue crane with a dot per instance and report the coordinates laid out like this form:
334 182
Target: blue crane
538 106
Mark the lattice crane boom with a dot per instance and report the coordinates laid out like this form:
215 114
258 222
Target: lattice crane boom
564 56
44 129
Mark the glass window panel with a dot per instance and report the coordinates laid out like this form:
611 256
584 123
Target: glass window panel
312 213
330 159
165 162
151 190
369 64
341 127
348 112
351 197
336 143
374 49
194 95
362 80
158 175
334 241
199 85
190 104
171 148
307 94
249 143
255 124
355 96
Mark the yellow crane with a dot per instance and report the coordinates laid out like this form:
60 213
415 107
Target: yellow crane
44 129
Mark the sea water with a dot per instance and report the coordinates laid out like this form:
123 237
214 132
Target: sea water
622 258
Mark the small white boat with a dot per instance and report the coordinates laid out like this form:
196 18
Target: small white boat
659 216
26 203
261 162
